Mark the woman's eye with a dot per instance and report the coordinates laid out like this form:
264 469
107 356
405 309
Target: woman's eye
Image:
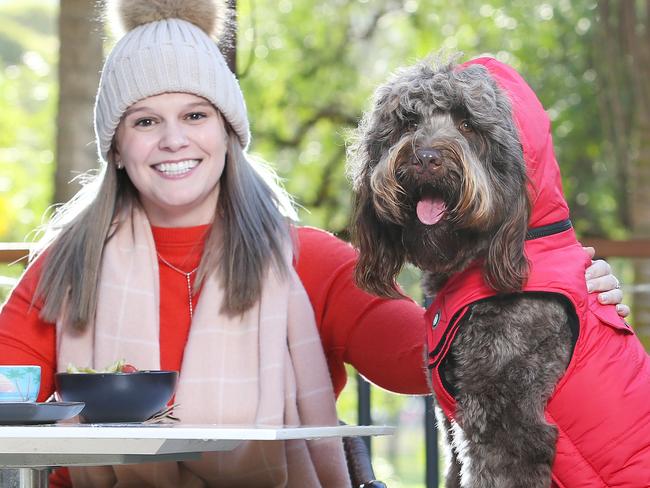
465 126
144 122
196 116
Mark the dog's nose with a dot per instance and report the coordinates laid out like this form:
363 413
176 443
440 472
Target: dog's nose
429 156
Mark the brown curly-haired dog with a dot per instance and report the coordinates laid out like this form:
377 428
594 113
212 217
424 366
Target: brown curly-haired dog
442 181
421 141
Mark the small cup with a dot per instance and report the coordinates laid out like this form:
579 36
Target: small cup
19 383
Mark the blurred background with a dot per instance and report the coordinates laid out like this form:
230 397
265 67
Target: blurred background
308 69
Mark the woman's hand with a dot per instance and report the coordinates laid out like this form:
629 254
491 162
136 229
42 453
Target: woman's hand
600 279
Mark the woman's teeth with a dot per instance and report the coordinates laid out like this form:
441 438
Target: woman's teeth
178 168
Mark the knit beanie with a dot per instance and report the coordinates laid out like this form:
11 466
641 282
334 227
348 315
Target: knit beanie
167 48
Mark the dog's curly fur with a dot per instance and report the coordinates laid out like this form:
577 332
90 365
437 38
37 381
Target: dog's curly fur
438 132
481 179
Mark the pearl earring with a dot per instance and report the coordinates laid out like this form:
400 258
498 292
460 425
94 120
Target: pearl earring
119 164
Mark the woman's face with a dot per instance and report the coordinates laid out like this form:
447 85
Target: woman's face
173 147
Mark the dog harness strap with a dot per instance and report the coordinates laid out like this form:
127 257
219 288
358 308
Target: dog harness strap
548 230
441 333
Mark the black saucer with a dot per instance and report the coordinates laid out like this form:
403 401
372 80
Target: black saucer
32 413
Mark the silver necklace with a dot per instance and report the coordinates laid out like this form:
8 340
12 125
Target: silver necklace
187 278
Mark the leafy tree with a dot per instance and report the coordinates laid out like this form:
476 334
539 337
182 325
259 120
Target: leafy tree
27 92
310 67
27 101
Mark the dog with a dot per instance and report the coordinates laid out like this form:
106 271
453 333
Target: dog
454 171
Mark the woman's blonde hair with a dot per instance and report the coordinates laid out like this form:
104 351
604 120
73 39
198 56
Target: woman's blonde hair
254 209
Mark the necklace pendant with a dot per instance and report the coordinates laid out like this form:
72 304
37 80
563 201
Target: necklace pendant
187 278
189 294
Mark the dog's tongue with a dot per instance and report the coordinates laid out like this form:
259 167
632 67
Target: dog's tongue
430 210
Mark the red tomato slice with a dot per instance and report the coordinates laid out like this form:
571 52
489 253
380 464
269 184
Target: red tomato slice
129 368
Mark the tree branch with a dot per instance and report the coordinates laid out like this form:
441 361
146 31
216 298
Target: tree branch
332 113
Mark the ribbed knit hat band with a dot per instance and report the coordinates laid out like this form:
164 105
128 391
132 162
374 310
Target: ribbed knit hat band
166 56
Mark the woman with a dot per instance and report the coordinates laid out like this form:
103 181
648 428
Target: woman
180 251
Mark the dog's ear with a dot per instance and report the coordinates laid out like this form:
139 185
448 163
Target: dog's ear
506 265
380 249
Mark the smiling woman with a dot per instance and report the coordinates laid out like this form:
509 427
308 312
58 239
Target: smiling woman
178 254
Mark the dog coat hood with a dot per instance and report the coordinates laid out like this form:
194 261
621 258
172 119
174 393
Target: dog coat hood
601 406
545 187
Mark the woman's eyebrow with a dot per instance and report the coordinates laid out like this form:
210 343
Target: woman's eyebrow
130 111
203 103
189 106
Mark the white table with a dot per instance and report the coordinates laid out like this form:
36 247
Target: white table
36 449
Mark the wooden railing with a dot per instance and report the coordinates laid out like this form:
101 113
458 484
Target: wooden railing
13 251
633 248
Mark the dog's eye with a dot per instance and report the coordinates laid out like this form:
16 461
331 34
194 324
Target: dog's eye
465 126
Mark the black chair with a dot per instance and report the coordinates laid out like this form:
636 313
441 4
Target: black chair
359 465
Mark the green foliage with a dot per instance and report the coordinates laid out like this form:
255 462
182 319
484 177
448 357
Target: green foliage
309 68
399 459
27 100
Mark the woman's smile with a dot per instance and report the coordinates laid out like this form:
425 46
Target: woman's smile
176 169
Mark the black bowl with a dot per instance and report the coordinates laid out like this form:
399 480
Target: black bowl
117 397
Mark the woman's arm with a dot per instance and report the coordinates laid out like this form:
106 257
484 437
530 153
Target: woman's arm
383 339
24 337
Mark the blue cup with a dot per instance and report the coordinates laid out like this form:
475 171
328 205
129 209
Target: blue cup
19 383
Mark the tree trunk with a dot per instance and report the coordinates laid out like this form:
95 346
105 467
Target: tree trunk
640 209
80 61
228 44
624 44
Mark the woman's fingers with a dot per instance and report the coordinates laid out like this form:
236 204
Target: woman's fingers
614 297
611 297
605 283
590 250
599 276
623 310
600 279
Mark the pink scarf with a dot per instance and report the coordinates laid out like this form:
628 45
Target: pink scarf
266 367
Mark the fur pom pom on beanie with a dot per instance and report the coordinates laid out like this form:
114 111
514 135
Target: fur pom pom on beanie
167 47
